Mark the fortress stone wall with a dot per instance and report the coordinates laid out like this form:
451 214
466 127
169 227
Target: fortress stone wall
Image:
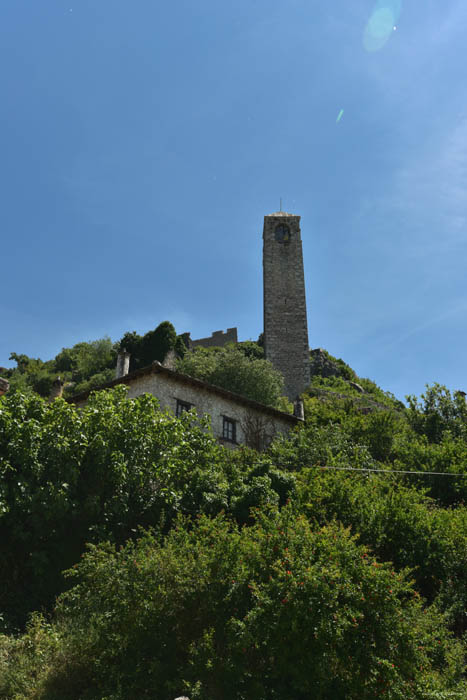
217 339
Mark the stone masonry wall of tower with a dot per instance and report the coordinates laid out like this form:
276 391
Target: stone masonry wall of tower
285 319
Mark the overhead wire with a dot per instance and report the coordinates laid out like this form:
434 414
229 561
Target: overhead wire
369 469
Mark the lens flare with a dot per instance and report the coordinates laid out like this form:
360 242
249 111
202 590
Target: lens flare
339 116
381 24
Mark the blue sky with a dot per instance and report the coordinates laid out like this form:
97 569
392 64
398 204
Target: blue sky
142 143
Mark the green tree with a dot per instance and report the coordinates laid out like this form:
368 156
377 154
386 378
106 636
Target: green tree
131 342
232 369
277 610
69 476
154 345
31 373
251 349
157 343
438 411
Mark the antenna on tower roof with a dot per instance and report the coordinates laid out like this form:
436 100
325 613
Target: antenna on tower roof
280 205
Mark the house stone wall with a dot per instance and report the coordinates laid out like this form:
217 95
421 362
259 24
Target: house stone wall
253 426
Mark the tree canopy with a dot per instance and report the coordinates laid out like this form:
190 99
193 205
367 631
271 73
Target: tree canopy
236 368
333 565
196 570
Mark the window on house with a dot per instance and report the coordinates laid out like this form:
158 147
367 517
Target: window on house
182 406
229 429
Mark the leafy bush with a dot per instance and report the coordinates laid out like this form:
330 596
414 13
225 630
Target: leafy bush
232 369
437 412
70 476
84 366
276 610
256 604
401 525
154 345
24 660
251 349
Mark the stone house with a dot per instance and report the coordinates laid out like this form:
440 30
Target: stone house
235 420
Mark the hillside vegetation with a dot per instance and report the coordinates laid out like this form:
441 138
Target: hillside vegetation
89 364
300 572
239 368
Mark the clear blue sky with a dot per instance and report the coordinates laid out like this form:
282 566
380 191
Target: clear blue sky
143 142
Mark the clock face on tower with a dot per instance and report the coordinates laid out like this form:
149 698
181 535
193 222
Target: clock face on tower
282 233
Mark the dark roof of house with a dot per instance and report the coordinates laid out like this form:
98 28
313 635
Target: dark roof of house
158 368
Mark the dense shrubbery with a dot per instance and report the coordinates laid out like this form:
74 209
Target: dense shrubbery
237 368
154 345
70 476
88 365
257 576
81 367
371 391
280 609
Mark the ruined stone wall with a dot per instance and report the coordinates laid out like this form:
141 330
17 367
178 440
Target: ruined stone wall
285 315
217 339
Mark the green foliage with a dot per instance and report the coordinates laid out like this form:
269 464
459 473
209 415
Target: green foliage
376 393
372 392
131 342
251 349
314 582
181 344
416 453
391 441
338 384
70 476
91 358
402 526
23 660
344 370
233 369
438 412
201 363
30 374
83 366
276 610
87 365
154 345
94 381
283 404
84 360
157 343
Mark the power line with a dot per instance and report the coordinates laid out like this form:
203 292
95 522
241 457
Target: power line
394 471
362 469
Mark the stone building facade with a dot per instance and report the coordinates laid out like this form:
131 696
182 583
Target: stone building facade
235 420
285 315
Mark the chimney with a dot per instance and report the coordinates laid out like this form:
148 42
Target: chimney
170 360
56 391
123 364
298 410
4 386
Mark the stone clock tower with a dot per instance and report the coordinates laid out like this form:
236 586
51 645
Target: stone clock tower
285 321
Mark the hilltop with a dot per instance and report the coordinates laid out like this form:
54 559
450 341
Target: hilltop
331 565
